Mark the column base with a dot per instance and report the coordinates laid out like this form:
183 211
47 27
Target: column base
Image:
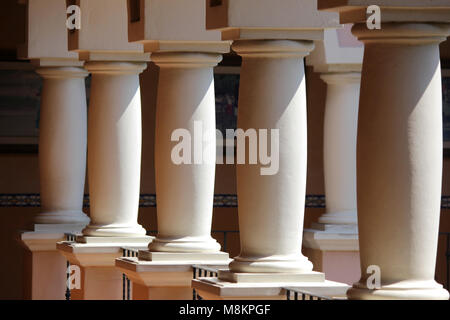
100 280
337 218
168 275
265 286
273 264
334 250
405 290
115 230
236 277
332 228
147 255
186 244
114 241
62 217
45 236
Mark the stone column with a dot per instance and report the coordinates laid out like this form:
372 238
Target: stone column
399 160
340 125
114 163
114 141
62 145
185 154
332 244
185 102
271 207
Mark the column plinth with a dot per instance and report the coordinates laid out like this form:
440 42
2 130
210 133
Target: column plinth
62 145
99 279
185 191
271 207
399 160
114 141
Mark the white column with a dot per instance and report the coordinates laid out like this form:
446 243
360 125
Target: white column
339 150
62 145
271 207
399 160
114 143
185 192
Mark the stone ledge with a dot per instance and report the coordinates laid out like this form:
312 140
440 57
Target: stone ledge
330 241
163 273
181 256
215 289
234 277
95 254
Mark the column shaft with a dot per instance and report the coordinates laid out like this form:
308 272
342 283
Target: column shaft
62 145
339 149
399 160
114 143
185 190
272 95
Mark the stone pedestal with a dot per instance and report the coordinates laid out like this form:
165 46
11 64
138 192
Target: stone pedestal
45 269
264 286
166 276
95 257
334 250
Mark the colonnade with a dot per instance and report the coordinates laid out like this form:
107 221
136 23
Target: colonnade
396 173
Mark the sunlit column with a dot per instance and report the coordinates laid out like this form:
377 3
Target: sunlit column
185 112
114 141
272 96
399 160
62 145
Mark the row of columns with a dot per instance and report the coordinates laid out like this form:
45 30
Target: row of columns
399 158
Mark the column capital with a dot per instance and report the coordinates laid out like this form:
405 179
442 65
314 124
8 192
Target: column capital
115 67
186 59
341 77
62 72
391 11
269 19
403 33
273 48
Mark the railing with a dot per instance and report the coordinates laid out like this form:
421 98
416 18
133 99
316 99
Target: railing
295 294
202 271
447 256
69 237
126 283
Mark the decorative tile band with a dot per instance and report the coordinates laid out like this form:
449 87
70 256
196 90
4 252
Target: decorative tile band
149 200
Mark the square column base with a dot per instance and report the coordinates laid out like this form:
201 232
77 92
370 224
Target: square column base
334 250
98 277
167 276
264 286
43 264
